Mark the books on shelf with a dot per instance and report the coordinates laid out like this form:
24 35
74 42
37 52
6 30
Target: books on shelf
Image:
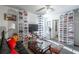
66 27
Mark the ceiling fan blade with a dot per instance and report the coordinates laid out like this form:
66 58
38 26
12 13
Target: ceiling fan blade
40 9
52 9
47 6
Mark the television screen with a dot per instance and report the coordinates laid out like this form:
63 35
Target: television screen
33 27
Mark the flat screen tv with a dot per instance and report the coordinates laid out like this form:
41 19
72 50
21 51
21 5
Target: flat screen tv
33 27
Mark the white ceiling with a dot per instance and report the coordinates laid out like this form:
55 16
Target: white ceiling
58 9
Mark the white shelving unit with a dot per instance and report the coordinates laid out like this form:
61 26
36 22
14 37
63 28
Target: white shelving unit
22 24
70 26
25 25
61 28
40 26
66 28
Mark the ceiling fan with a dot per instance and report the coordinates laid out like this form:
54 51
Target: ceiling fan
47 7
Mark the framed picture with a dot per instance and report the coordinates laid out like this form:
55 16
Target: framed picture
10 17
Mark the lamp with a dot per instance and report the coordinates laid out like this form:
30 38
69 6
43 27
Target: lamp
12 26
